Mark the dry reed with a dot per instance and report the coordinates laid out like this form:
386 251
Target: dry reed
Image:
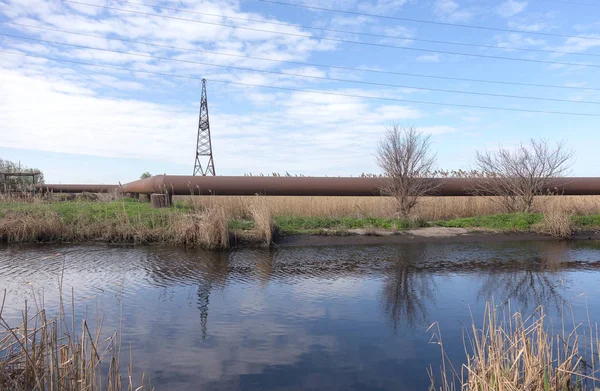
557 222
510 353
42 353
203 221
428 208
29 227
263 220
117 222
208 229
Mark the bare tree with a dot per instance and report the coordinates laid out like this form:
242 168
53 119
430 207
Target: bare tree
405 158
516 176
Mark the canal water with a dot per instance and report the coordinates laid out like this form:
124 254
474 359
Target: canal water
292 318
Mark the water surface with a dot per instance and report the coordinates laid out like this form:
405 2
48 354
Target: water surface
330 317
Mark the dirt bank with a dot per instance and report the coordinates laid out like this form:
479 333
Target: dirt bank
422 235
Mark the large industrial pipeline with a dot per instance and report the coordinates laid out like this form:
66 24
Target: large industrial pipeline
323 186
59 188
304 186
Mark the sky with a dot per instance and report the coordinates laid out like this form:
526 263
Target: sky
99 91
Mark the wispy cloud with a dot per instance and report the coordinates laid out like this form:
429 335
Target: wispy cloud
511 8
429 58
451 11
381 6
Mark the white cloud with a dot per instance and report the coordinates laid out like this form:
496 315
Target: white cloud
381 6
429 58
451 11
533 21
437 129
511 8
515 40
326 127
580 45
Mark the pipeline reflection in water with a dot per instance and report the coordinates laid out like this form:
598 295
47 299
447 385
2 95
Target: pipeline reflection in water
351 317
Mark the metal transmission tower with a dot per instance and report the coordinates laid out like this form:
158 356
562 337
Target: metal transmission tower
204 146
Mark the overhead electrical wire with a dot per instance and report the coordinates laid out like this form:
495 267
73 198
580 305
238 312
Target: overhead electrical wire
308 91
471 26
376 71
323 78
339 40
361 33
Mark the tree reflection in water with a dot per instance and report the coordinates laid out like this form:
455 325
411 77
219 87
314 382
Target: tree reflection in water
531 282
408 287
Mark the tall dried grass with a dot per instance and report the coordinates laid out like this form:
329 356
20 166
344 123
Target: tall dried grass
429 208
512 353
29 227
263 220
557 222
208 229
205 219
114 223
43 354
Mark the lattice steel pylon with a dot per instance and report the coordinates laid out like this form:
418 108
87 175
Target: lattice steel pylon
203 145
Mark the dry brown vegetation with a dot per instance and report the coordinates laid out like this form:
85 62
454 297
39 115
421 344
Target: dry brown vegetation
430 208
44 353
510 352
404 156
517 175
128 221
263 220
557 222
208 229
206 221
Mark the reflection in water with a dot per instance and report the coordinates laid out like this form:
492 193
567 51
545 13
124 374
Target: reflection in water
335 318
408 290
204 268
531 282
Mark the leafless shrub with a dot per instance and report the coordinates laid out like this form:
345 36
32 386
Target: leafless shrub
405 158
517 175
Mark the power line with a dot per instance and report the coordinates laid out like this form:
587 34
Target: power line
471 26
360 33
308 91
340 40
308 63
324 78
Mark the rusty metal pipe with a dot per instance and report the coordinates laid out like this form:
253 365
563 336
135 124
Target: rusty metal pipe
321 186
59 188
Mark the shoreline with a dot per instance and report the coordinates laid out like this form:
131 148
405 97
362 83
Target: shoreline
131 222
352 238
424 235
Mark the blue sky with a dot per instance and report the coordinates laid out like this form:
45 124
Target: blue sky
86 124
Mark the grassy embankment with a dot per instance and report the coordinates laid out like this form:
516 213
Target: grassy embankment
219 222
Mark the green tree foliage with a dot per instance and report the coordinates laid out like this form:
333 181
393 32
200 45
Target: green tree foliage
17 183
145 175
